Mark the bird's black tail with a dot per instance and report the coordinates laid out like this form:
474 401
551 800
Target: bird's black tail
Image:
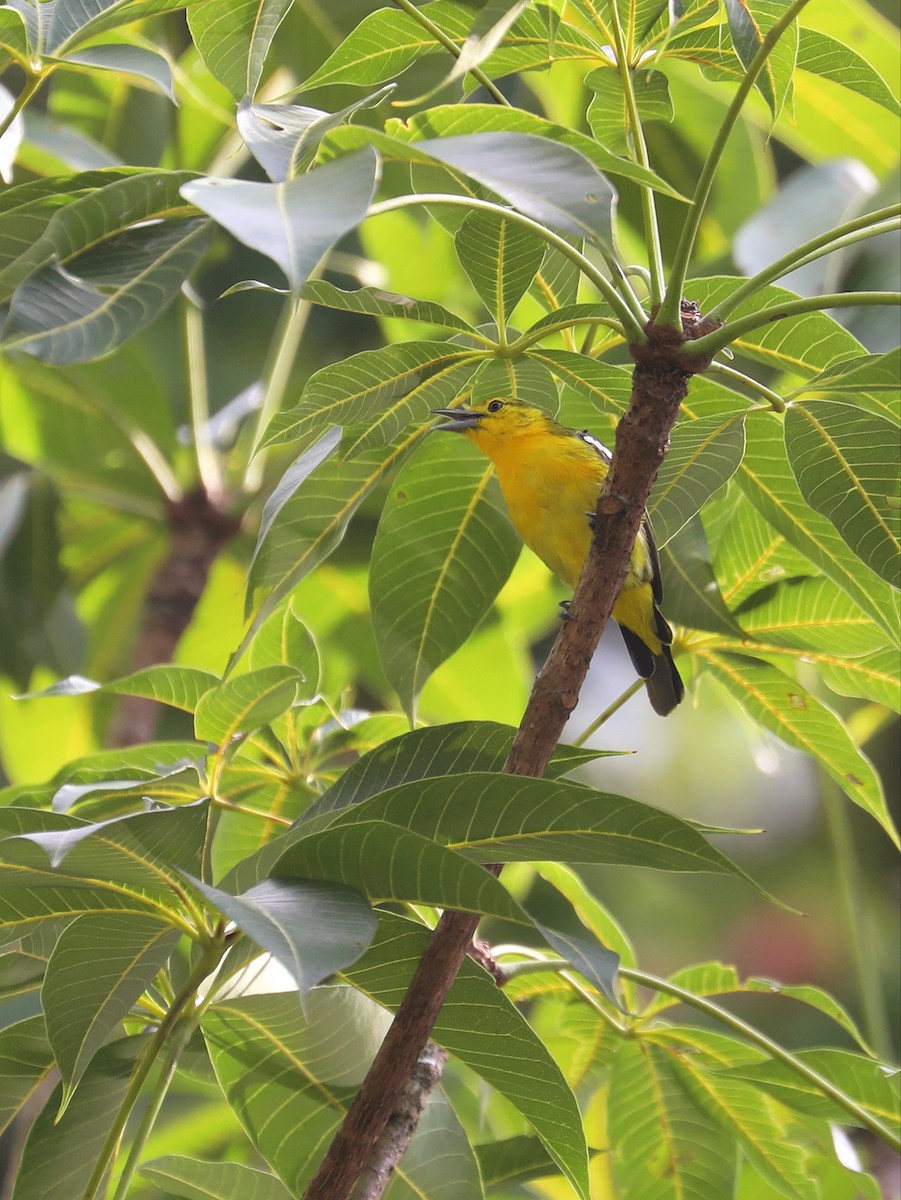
664 683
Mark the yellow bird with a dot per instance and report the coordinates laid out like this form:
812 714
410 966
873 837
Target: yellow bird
550 477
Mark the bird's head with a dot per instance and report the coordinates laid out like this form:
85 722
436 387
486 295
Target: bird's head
499 418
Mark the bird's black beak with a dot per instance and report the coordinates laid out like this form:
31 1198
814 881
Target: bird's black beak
459 419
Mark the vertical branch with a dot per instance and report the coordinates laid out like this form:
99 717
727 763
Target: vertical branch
660 383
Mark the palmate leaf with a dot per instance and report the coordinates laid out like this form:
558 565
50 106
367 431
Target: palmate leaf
845 464
698 1059
100 966
139 61
872 677
284 639
501 1046
691 592
500 258
662 1145
607 113
522 377
312 928
441 555
781 705
234 36
767 480
296 222
606 387
512 1160
70 24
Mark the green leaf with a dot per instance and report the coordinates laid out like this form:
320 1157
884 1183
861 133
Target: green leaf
424 753
766 479
296 222
513 1160
26 1060
501 1046
86 310
691 593
845 465
662 1145
703 455
70 24
607 114
831 59
27 902
863 1079
605 386
386 42
376 302
500 258
234 36
718 979
781 705
801 345
453 119
522 377
145 850
101 965
284 138
102 206
440 558
507 818
381 390
749 23
313 929
13 36
181 687
549 182
810 613
59 1156
869 380
872 677
283 639
244 703
139 61
745 1112
197 1180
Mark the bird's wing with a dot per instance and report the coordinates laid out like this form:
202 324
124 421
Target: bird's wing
590 440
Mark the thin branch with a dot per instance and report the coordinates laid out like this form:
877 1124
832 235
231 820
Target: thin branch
608 712
668 315
27 93
660 383
208 465
648 202
711 343
869 225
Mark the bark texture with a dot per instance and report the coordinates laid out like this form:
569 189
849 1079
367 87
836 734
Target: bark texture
660 384
198 531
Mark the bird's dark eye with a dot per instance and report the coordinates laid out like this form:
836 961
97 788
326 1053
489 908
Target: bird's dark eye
495 406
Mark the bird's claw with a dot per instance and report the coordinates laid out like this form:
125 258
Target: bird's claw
592 520
565 614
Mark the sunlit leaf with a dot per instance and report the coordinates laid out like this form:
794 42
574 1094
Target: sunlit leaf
234 37
245 702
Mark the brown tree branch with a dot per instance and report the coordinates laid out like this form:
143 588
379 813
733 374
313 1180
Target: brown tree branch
198 532
660 384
